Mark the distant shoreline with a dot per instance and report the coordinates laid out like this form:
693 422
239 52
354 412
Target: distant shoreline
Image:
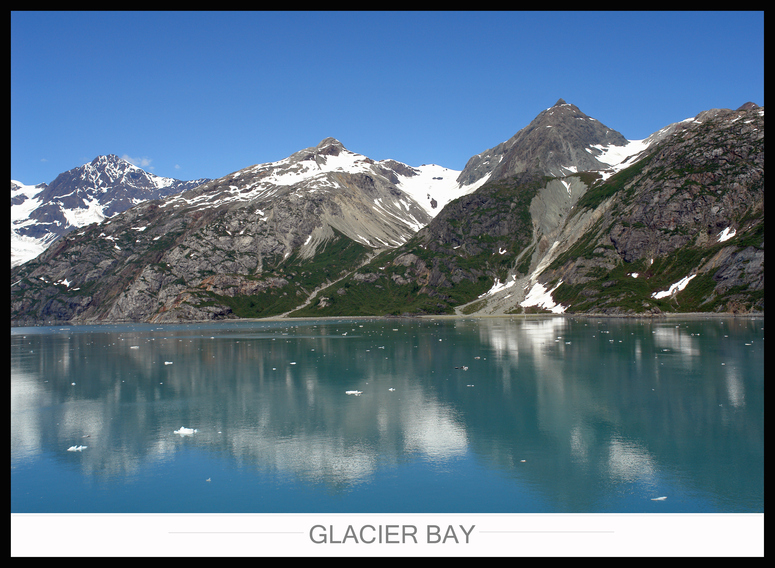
665 316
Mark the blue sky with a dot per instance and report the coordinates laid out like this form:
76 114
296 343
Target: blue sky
203 94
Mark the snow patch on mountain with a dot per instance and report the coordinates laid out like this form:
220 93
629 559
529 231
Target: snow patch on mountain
80 217
24 200
433 186
619 157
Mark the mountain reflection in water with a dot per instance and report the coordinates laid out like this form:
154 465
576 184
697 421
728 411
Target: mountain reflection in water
485 415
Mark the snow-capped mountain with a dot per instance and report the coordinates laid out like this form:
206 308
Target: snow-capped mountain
90 193
430 186
275 229
327 231
42 213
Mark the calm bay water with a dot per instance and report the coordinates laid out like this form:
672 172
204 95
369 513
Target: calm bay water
454 416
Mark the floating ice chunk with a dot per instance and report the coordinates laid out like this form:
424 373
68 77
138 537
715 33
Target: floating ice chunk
355 392
186 431
76 448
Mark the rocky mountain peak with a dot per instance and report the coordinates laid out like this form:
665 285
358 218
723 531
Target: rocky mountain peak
559 141
330 147
327 147
108 159
80 196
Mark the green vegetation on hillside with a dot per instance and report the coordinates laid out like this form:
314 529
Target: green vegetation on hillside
476 239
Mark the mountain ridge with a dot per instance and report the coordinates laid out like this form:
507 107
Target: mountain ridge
576 209
86 194
387 238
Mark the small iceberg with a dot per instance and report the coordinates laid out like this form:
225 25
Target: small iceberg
76 448
185 431
356 393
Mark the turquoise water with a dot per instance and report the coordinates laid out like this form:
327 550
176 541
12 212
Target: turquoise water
453 416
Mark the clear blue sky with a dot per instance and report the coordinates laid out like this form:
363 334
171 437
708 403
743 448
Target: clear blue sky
203 94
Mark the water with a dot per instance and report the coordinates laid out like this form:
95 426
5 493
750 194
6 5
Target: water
493 415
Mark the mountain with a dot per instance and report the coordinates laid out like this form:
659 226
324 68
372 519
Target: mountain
253 243
87 194
677 225
561 140
680 230
566 216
